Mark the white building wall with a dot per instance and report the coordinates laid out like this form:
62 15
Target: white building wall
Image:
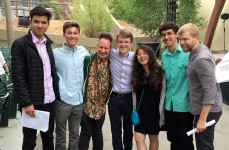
218 39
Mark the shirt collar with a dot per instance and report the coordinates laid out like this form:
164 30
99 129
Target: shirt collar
68 48
124 56
36 40
196 51
178 50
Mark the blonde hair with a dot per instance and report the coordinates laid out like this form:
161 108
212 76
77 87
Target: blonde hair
189 27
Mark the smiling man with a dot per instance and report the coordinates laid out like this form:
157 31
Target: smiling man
69 65
96 93
178 118
205 93
35 82
120 103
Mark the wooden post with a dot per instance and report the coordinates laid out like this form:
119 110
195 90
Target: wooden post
9 23
213 22
29 6
16 9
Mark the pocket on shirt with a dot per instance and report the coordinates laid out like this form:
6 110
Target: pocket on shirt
167 71
182 69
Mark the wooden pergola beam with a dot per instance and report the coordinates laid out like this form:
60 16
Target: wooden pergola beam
213 22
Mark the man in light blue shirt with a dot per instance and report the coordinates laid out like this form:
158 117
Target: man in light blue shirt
120 104
178 118
69 65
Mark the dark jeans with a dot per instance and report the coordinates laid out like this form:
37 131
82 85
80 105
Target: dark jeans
91 127
177 124
29 135
119 109
224 89
204 140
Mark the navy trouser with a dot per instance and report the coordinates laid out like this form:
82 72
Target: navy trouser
30 135
119 108
205 139
91 127
177 124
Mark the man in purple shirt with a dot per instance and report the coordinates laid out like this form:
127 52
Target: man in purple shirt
35 82
120 104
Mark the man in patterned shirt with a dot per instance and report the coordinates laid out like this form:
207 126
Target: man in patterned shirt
96 92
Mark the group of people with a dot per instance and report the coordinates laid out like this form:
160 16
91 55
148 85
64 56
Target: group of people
192 95
75 87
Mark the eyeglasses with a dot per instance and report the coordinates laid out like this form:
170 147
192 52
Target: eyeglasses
124 42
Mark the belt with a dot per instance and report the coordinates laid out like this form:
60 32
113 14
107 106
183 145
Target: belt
121 94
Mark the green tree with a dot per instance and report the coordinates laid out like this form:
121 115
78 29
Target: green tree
187 7
92 15
54 4
123 9
42 1
148 15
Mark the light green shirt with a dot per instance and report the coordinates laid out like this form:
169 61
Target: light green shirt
177 91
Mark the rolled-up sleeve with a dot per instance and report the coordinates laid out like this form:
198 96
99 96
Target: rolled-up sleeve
205 68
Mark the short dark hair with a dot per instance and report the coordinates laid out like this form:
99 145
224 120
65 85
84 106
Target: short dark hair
126 33
40 11
169 25
69 25
106 35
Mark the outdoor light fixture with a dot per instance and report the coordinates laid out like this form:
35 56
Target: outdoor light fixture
171 7
224 16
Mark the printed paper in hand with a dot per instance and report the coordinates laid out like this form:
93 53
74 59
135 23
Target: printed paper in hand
39 122
222 70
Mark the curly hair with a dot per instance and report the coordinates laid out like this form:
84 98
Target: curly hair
155 71
168 25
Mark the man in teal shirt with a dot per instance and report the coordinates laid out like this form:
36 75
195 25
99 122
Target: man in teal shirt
178 118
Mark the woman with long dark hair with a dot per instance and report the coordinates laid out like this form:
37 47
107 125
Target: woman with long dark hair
147 80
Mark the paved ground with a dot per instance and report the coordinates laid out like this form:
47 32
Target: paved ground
11 137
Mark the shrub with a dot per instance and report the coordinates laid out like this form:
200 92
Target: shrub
92 15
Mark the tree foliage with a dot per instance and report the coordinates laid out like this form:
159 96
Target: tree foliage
54 4
92 15
148 15
188 12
